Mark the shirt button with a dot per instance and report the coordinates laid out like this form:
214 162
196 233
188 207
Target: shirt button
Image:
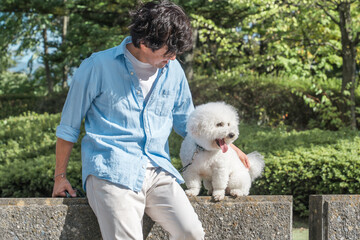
138 92
132 73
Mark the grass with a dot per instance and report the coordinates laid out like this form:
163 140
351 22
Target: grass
300 234
300 228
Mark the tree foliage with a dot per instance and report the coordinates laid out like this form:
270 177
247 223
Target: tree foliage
299 39
39 28
314 41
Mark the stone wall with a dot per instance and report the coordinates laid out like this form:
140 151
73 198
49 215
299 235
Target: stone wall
334 217
252 217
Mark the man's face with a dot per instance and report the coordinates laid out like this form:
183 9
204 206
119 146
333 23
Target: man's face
156 58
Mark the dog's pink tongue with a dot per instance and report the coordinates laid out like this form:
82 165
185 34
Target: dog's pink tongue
223 145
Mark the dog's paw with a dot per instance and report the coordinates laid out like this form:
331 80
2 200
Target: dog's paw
238 193
192 192
218 195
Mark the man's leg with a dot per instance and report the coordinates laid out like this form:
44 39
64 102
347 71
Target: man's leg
119 210
168 205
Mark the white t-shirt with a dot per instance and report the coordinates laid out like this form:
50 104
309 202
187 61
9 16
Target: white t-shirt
144 71
147 75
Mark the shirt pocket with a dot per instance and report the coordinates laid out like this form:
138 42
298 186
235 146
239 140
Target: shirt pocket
165 103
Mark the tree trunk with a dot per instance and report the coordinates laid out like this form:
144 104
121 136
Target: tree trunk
65 68
348 56
188 58
46 63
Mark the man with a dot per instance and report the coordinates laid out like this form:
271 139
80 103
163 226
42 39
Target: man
131 97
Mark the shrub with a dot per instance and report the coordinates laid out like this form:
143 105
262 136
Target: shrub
16 82
15 104
275 100
27 156
304 163
265 99
331 107
298 163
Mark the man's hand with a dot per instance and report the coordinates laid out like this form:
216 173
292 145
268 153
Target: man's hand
61 184
244 159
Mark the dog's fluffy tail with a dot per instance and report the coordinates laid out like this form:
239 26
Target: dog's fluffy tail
257 164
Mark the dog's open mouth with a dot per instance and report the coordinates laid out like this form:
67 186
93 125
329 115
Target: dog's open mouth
221 143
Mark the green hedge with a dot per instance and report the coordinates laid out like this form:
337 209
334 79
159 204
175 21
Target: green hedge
301 163
27 156
298 163
266 100
275 100
16 104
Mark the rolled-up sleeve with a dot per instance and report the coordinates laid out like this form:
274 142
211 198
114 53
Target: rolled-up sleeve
84 88
183 107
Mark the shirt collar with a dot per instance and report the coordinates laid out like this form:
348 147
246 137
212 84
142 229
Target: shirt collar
121 48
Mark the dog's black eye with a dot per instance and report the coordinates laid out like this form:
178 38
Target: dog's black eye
220 124
228 124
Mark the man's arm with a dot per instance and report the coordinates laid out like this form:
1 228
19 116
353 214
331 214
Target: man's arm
241 155
63 150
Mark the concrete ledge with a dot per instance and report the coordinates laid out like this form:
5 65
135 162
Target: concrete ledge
334 217
47 218
252 217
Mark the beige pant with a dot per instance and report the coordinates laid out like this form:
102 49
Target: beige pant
120 211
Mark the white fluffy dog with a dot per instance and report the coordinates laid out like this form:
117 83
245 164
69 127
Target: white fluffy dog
206 155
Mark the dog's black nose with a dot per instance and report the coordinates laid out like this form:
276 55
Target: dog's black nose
231 135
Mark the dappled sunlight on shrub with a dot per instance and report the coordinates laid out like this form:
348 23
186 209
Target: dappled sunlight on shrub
27 156
298 163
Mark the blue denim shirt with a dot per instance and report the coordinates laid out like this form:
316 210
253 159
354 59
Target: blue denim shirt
123 130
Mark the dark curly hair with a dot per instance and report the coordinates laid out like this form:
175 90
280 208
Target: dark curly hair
161 23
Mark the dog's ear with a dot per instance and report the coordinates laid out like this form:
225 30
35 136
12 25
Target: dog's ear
195 125
193 128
